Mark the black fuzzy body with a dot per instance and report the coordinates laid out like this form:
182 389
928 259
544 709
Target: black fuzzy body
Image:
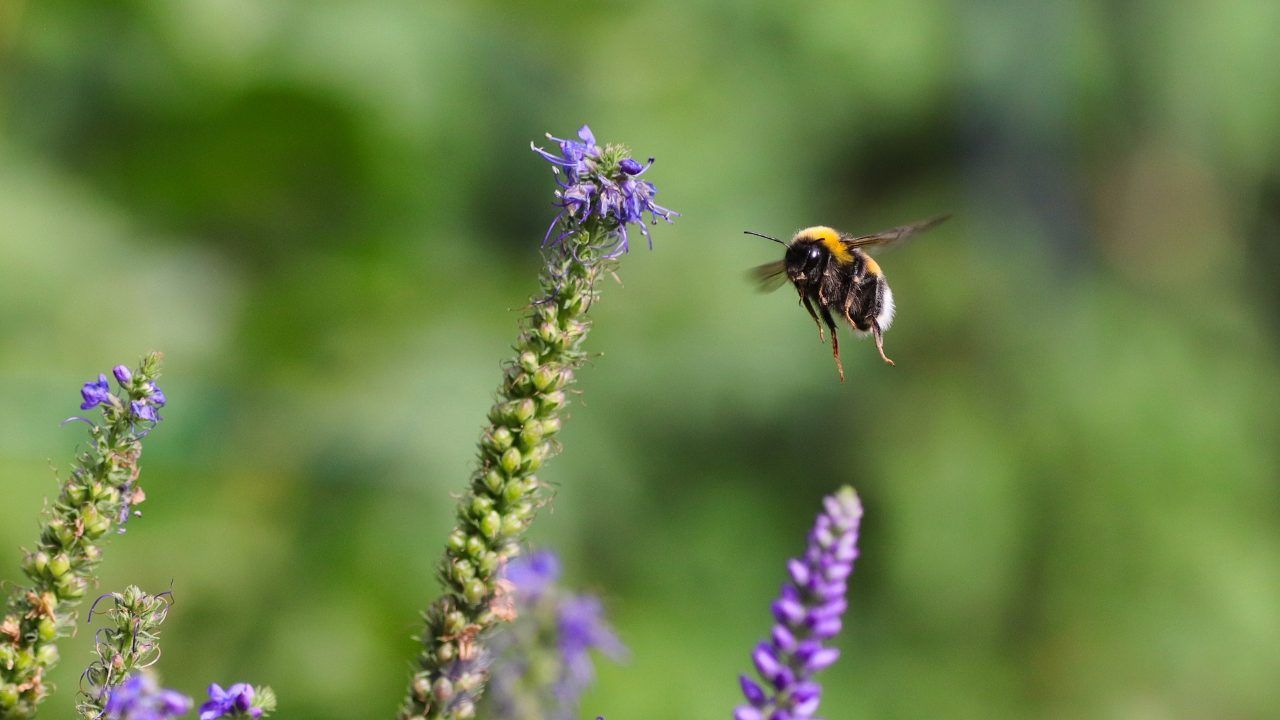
832 287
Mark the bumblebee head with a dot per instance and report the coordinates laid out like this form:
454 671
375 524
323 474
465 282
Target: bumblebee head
808 248
803 258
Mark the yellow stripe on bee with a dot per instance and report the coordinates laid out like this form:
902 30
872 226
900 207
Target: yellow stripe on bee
830 239
873 267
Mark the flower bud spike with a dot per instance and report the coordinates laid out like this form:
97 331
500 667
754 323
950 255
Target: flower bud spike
597 196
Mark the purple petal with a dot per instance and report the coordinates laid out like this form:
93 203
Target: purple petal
806 708
783 638
826 628
822 659
834 608
799 572
788 611
766 662
754 694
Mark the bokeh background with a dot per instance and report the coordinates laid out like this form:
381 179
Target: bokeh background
326 213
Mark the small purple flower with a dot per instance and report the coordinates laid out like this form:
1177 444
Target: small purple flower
95 393
123 375
146 407
807 612
139 698
582 628
156 395
532 574
601 185
236 701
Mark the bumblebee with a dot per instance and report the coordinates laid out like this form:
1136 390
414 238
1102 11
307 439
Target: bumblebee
834 274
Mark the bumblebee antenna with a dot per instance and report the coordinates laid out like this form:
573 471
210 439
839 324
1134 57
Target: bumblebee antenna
766 237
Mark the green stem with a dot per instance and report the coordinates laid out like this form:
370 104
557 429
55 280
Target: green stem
504 492
130 642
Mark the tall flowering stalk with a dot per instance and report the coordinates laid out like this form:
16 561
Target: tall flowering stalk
807 614
97 497
129 642
600 194
543 660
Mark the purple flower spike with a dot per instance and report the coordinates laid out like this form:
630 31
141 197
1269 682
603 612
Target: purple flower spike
807 612
123 375
95 393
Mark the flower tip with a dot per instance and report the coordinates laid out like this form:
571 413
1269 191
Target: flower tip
753 692
630 166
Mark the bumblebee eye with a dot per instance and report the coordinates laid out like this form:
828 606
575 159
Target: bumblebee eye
814 253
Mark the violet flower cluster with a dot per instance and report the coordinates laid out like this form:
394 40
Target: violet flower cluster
807 614
601 194
543 660
601 187
141 698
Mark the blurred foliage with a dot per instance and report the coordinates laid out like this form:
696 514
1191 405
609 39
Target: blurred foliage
324 212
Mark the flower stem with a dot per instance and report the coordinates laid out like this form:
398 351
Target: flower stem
130 642
504 491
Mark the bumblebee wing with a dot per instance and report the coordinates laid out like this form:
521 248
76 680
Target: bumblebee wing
893 236
770 276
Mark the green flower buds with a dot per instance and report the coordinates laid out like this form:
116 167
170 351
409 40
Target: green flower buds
59 566
510 461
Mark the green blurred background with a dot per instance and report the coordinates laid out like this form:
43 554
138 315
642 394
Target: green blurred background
325 214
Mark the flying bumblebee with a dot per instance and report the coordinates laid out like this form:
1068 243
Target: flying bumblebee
833 273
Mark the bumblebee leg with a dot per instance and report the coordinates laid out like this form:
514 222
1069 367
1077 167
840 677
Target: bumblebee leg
835 340
848 307
804 299
875 329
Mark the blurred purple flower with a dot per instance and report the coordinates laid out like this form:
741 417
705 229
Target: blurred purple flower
95 393
807 613
236 701
532 574
543 659
139 698
582 628
123 374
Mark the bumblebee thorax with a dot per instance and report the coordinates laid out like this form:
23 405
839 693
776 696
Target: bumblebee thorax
825 237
